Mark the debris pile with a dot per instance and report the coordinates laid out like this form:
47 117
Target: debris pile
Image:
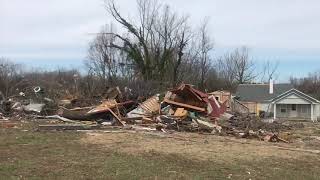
181 109
250 126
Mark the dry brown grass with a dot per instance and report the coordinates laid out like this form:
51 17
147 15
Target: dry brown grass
195 146
140 155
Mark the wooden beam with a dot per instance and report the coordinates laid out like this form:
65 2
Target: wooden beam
117 117
185 105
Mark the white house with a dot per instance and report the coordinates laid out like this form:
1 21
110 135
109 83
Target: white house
281 100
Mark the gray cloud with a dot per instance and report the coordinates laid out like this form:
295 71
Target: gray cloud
59 28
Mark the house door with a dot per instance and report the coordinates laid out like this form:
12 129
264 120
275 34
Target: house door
293 110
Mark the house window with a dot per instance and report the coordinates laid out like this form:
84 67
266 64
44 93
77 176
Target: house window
217 98
293 107
283 110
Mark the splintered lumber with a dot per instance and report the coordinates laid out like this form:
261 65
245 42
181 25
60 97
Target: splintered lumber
61 127
187 106
104 107
140 128
82 108
146 120
283 140
116 116
147 108
151 105
107 105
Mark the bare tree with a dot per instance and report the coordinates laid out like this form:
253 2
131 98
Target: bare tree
159 45
309 84
102 59
136 46
9 76
156 43
269 71
225 67
205 48
183 37
237 67
244 67
189 69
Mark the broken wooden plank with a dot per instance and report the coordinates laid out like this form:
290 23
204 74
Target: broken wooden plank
104 107
116 116
146 120
282 140
185 105
151 105
141 128
82 108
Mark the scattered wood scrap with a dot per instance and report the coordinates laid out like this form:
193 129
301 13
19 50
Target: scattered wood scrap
104 107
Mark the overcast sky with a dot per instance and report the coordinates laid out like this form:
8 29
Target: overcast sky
49 33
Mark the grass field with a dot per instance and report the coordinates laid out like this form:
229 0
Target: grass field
29 154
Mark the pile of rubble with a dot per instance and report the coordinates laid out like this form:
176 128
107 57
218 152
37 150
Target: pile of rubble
181 109
250 126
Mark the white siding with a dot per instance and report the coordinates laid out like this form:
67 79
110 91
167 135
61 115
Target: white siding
316 111
293 99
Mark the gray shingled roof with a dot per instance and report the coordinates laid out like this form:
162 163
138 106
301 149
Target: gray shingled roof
260 92
299 93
